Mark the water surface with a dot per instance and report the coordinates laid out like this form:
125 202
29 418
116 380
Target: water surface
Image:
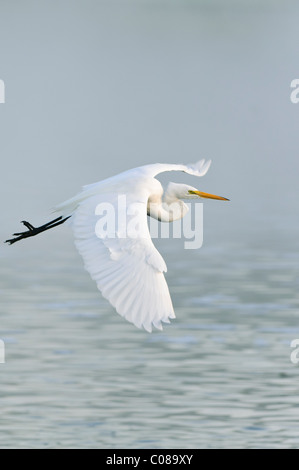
78 375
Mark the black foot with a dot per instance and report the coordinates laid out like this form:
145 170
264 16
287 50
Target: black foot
32 231
29 226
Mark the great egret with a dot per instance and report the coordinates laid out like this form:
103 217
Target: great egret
127 267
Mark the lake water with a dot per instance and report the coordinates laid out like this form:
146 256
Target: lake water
78 375
94 88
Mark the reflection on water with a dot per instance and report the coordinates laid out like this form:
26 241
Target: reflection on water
78 375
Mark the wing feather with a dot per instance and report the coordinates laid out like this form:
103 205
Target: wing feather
128 271
199 168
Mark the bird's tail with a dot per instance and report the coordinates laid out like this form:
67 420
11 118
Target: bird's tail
67 208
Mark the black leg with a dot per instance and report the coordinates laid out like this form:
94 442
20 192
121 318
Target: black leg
32 231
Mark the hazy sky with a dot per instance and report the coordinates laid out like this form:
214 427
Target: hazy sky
96 87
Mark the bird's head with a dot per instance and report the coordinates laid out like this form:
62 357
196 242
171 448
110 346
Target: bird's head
184 191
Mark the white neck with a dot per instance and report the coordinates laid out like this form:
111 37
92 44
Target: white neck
168 210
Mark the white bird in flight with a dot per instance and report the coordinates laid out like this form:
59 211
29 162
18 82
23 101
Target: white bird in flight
128 269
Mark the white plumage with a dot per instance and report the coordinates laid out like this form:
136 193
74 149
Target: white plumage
128 271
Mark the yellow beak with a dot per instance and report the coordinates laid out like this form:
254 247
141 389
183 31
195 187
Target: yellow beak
208 196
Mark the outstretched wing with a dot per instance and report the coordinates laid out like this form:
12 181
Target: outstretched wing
122 259
199 168
130 179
